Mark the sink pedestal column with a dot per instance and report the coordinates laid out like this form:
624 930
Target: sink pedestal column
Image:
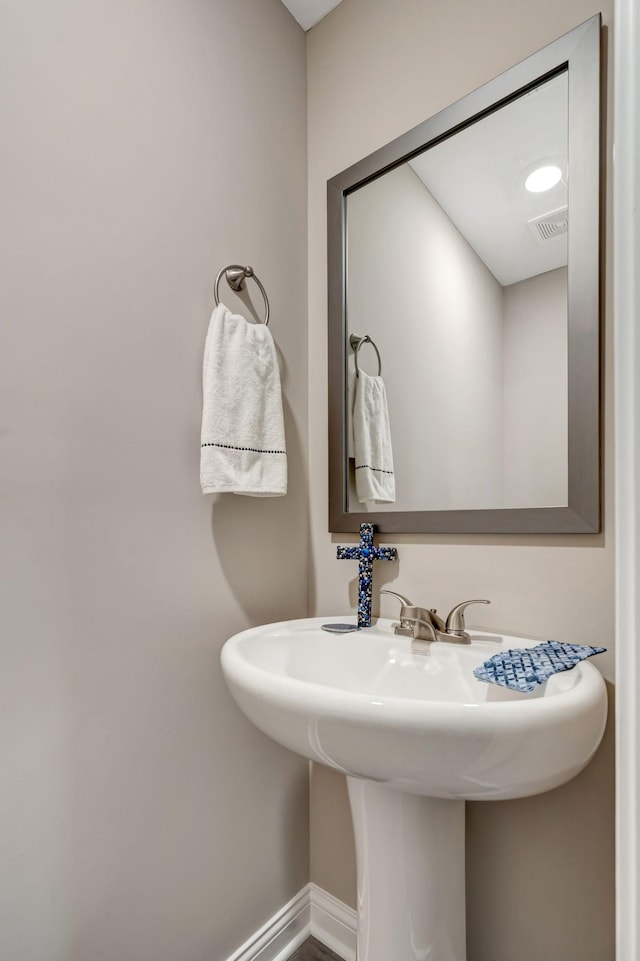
411 874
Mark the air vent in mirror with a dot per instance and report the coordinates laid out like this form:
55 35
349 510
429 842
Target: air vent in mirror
549 226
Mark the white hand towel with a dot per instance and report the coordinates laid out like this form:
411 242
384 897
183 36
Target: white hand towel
351 394
243 446
372 439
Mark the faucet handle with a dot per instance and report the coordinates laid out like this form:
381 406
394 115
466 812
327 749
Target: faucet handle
409 610
455 620
405 627
415 622
403 600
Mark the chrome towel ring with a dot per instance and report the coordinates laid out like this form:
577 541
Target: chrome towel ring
235 276
356 343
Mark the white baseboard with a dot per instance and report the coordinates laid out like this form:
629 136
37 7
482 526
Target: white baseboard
312 911
282 933
333 923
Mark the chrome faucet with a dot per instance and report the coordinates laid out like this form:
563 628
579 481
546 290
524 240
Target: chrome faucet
426 626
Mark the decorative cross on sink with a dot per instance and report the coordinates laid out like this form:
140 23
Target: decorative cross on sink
366 554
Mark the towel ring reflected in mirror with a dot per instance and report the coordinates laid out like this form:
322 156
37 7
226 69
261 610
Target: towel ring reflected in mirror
235 276
356 343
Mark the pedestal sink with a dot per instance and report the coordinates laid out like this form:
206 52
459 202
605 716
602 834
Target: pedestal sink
416 736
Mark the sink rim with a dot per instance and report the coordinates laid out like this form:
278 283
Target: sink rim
519 710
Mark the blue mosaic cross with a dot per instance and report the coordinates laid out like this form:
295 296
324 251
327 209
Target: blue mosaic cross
366 554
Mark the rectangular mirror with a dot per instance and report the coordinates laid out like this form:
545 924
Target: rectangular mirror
467 253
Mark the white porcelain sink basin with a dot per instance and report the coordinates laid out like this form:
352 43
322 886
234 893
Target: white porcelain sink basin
364 704
416 736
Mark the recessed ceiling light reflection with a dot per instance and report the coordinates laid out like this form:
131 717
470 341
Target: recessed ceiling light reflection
543 178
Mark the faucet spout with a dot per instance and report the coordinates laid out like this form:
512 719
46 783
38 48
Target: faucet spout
419 623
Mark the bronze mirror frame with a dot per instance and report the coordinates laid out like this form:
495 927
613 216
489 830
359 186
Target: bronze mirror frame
577 52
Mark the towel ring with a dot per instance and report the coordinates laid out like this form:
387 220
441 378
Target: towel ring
235 276
356 343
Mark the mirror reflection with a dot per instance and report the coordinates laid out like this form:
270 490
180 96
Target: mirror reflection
456 269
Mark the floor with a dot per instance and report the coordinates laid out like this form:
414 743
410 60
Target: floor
312 950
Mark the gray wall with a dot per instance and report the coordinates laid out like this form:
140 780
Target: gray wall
435 311
540 870
535 391
142 818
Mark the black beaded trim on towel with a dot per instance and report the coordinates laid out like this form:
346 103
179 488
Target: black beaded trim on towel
378 469
254 450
